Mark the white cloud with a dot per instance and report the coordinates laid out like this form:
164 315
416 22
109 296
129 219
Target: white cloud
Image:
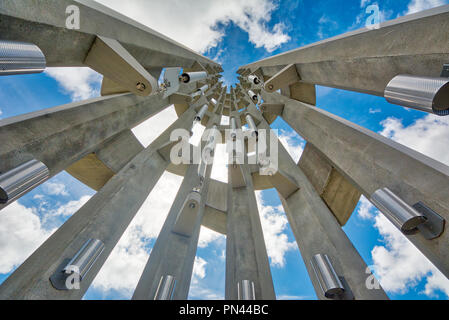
199 269
219 168
199 289
428 135
399 265
207 236
274 223
196 23
293 143
21 233
149 130
71 207
123 268
55 189
79 83
374 111
420 5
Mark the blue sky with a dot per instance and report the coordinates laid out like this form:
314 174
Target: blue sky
233 33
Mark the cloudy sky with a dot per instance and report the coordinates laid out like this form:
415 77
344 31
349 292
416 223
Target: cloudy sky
234 33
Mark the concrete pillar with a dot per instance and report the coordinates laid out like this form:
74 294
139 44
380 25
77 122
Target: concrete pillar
174 253
104 217
372 162
246 254
316 229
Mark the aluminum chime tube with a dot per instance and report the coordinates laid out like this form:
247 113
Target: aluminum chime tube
210 147
200 91
233 129
199 116
421 93
22 179
254 79
166 288
403 216
20 58
253 96
83 261
326 275
246 290
252 125
191 77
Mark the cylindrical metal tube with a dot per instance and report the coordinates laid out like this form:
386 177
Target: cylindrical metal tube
197 93
233 129
18 181
252 125
421 93
254 79
166 288
253 96
85 258
20 58
204 88
202 168
246 290
403 216
199 116
327 277
191 77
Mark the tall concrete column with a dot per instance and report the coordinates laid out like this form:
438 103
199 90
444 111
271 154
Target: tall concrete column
316 229
371 162
104 217
174 253
246 253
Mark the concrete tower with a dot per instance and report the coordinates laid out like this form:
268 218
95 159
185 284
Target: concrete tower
92 140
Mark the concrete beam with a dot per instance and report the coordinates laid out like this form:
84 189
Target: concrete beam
63 135
173 254
318 232
371 162
366 60
246 254
215 220
105 217
316 229
96 169
339 194
44 23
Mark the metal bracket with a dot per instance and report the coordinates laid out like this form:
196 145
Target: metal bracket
171 81
276 109
111 59
434 226
187 216
284 78
180 98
